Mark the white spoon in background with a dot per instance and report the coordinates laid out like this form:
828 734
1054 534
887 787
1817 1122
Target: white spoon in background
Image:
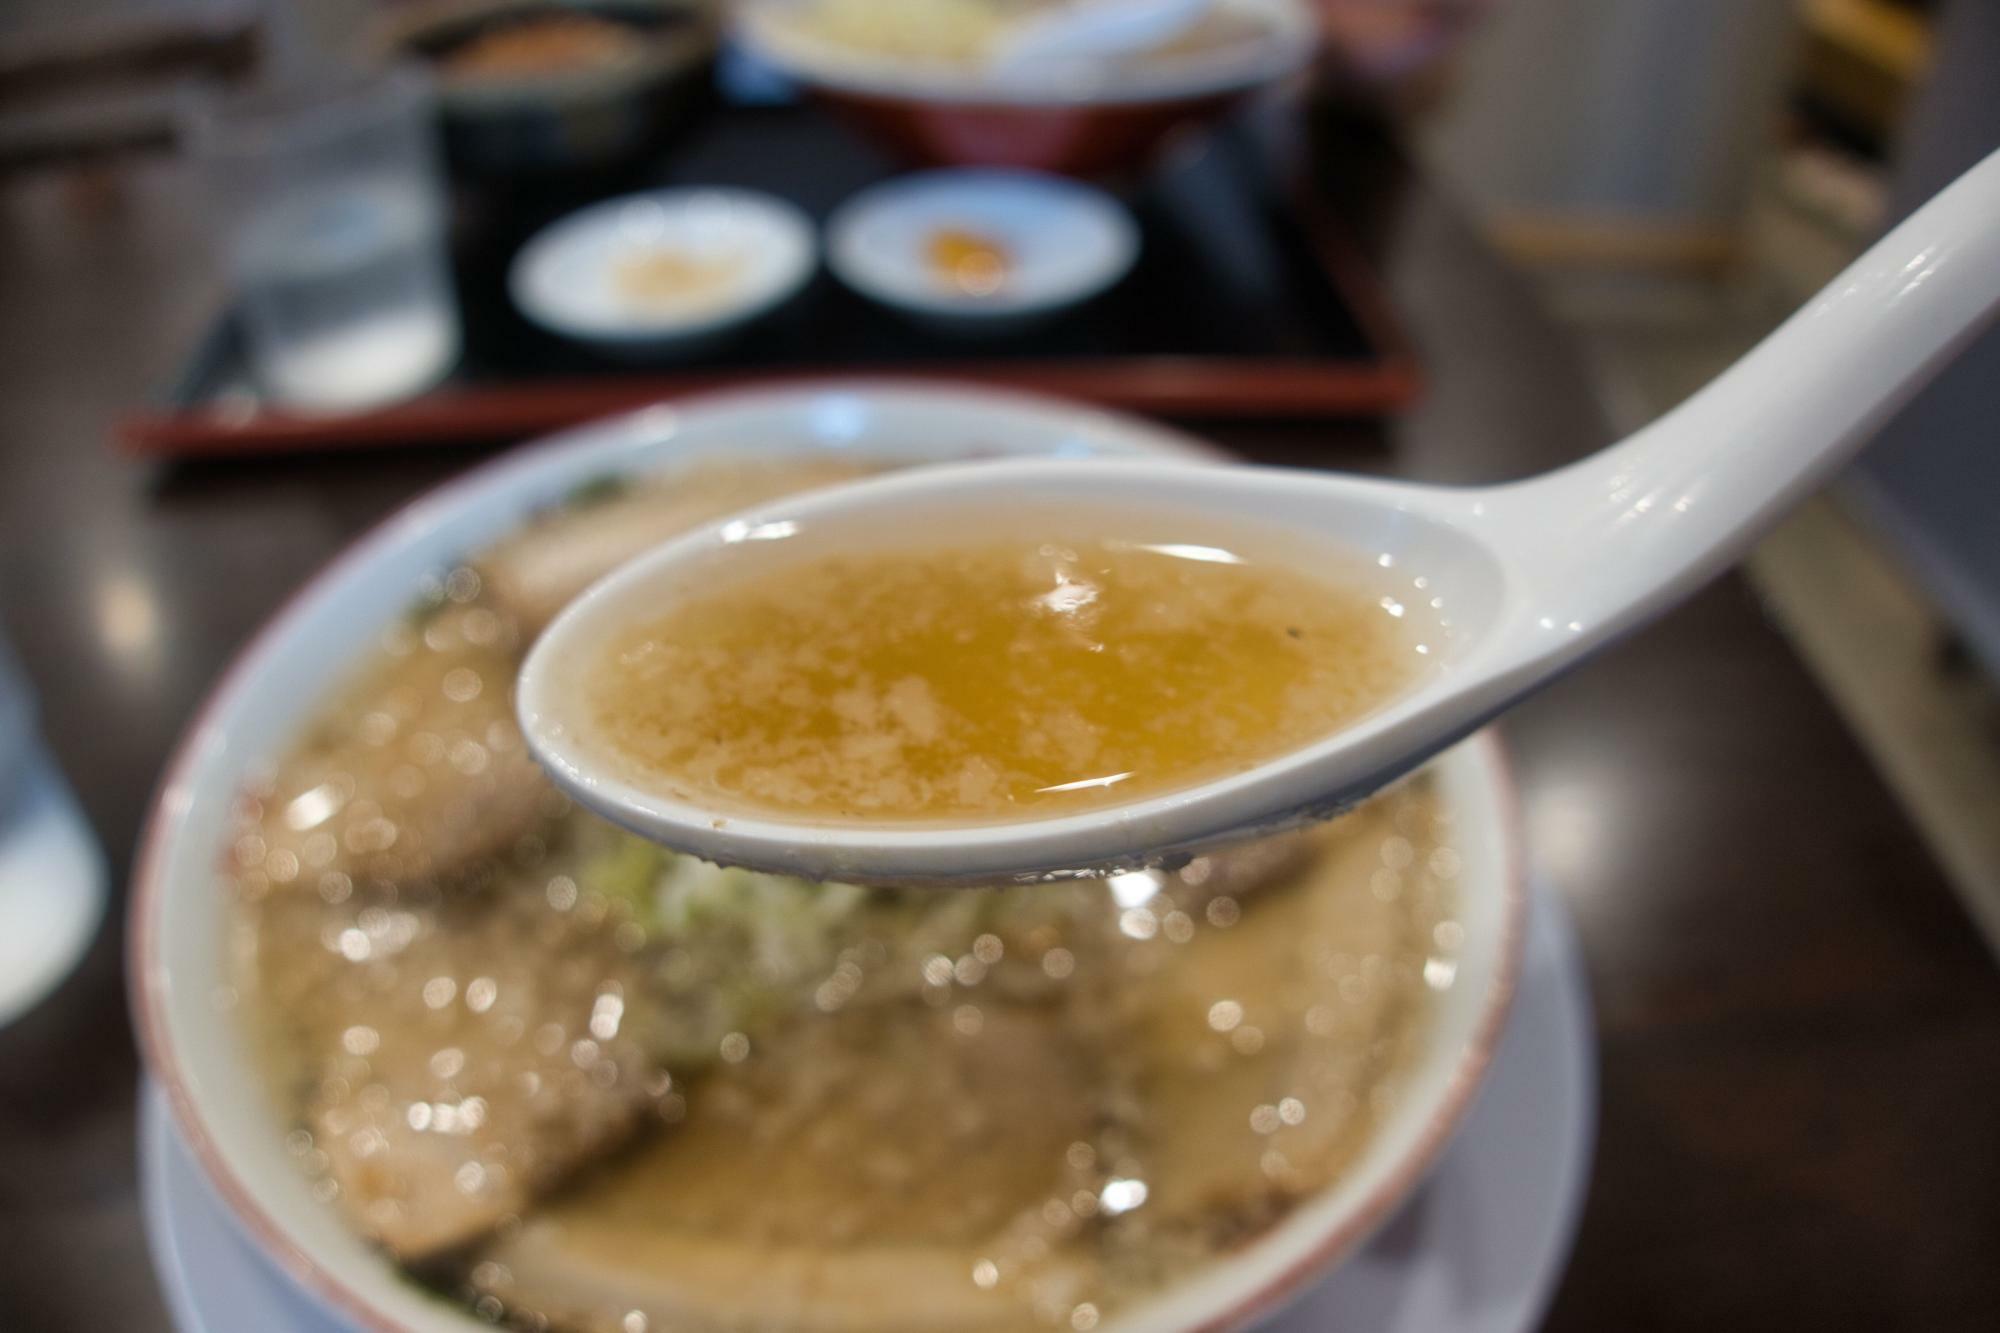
1096 30
1535 574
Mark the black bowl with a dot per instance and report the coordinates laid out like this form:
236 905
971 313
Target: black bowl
565 121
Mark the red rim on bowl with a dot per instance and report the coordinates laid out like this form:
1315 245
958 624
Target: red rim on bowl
148 983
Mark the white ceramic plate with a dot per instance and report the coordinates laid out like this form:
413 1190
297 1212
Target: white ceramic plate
1476 1250
197 1054
575 277
1065 242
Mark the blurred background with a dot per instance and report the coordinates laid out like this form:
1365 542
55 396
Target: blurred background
1549 220
1686 177
1674 177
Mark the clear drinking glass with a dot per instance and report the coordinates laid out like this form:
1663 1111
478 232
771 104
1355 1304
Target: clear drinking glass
17 727
336 237
52 874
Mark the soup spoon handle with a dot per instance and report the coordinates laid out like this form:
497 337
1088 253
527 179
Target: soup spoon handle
1626 532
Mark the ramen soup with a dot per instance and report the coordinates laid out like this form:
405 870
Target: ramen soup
574 1081
1013 679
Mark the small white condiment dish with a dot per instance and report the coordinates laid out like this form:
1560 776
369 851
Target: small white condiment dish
1063 244
582 277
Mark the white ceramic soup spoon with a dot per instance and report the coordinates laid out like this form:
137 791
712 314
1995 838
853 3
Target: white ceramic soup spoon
1532 576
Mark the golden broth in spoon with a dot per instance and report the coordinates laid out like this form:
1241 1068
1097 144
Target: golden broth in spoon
991 681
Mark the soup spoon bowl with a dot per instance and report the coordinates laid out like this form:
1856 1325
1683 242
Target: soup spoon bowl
1526 579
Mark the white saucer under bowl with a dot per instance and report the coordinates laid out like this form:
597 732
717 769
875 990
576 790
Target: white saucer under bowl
586 276
1064 243
1477 1249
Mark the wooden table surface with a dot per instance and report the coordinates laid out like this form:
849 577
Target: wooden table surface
1799 1029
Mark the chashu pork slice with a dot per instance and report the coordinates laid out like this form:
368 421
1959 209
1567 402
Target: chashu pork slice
537 571
1303 1003
466 1065
852 1176
419 773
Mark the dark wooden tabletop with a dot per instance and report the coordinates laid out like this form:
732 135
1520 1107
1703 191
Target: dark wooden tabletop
1799 1028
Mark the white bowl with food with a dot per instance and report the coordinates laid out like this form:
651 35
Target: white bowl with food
452 1051
976 249
664 270
931 78
962 51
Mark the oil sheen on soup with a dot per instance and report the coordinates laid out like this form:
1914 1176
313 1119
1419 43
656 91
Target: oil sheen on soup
577 1082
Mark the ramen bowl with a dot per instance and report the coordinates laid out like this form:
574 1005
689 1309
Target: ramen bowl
196 1046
